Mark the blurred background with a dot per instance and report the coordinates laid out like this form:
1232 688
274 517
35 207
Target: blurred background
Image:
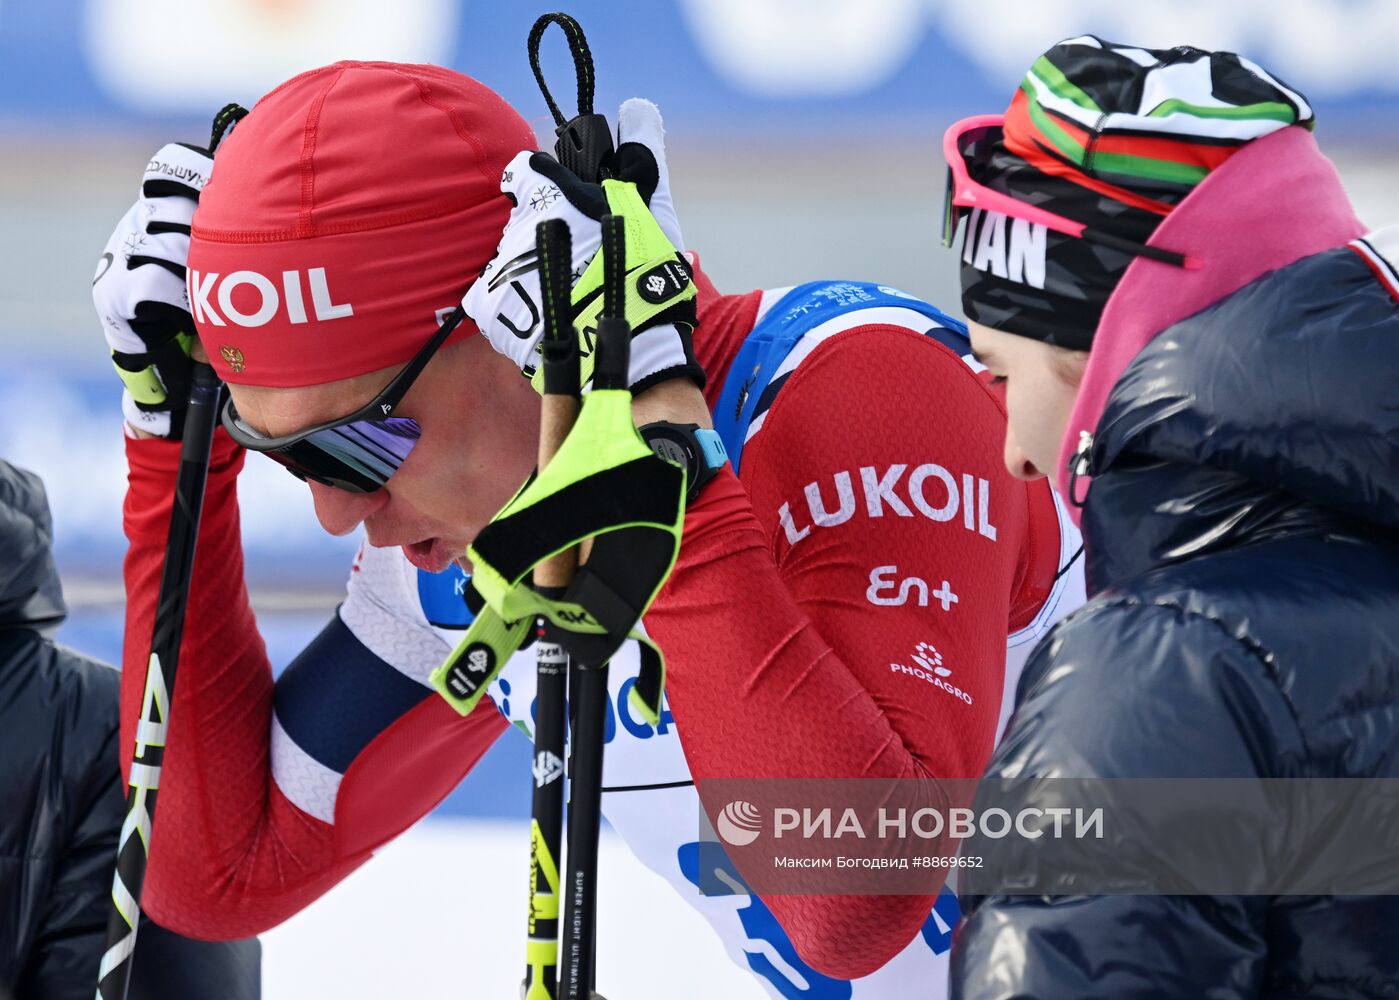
804 143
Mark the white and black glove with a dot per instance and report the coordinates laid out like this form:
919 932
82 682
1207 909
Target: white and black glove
140 293
660 292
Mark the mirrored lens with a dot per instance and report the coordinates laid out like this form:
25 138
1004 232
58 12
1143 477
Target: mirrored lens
354 455
376 448
359 456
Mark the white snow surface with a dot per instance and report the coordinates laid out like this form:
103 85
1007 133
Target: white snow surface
440 914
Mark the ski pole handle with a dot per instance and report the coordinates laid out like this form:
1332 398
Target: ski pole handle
559 405
613 352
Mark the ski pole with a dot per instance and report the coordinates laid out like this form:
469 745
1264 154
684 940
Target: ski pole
588 708
546 820
558 411
582 144
588 682
585 141
133 847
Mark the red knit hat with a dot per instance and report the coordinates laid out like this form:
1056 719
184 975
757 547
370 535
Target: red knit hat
344 213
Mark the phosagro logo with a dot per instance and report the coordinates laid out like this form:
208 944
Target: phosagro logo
740 823
930 668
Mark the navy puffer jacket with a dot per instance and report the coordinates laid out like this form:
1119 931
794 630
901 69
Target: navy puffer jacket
1242 531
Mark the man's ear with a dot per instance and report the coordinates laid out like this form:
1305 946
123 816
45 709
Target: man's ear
1069 366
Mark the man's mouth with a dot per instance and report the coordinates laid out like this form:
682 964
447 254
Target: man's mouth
431 555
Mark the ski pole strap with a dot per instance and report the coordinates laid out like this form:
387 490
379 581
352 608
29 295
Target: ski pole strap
585 141
604 483
645 695
489 643
658 288
228 116
478 659
582 61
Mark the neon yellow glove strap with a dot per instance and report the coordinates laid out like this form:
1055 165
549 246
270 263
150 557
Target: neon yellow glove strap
658 278
480 656
144 384
602 455
606 484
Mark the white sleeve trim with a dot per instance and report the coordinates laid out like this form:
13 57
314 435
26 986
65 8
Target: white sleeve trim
383 612
306 782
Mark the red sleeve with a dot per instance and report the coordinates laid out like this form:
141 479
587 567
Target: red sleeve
230 854
879 461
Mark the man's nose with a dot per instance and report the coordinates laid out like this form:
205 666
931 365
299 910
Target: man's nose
1018 464
340 511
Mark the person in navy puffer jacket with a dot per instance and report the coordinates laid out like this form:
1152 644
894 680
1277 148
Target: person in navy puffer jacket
1198 341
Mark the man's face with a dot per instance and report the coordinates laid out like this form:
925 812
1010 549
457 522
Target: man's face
479 422
1039 396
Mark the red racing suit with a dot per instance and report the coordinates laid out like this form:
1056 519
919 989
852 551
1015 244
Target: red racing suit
773 614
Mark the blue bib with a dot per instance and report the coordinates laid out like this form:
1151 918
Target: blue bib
793 316
442 597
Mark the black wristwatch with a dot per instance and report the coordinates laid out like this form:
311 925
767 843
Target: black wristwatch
698 450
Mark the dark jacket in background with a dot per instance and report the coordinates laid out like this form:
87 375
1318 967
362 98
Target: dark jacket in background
61 801
1241 533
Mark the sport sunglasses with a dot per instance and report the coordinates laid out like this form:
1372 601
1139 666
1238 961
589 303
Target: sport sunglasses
972 139
357 453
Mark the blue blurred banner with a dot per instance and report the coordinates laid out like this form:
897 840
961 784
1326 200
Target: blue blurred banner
813 67
66 425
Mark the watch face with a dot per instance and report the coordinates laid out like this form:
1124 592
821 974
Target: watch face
671 450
